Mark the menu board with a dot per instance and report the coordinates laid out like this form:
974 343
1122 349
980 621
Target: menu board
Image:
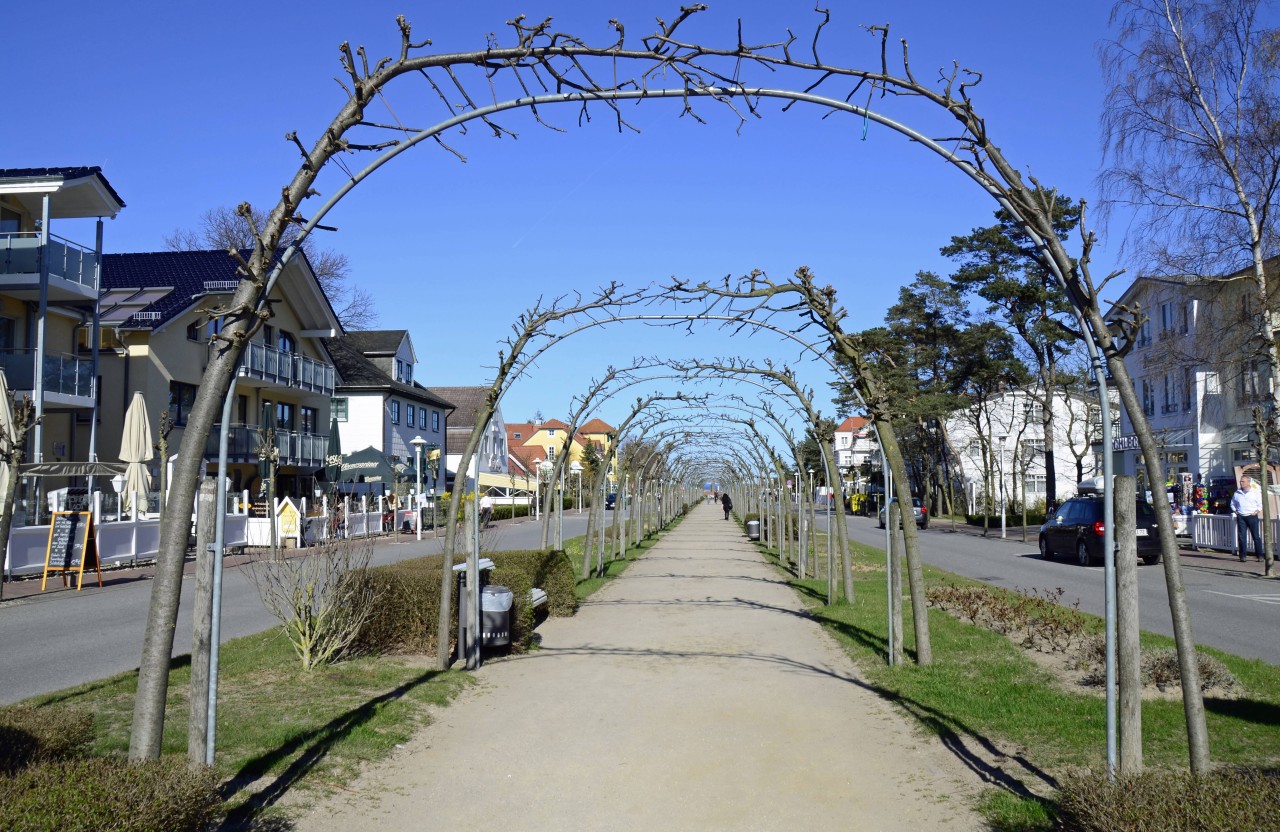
72 547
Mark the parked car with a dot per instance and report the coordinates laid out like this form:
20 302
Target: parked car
918 510
1077 528
609 500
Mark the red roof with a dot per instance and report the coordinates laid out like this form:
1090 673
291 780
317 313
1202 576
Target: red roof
596 426
854 424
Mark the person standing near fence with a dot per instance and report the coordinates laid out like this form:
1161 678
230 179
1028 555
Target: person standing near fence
1246 505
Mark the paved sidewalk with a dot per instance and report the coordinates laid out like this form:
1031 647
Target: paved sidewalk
692 693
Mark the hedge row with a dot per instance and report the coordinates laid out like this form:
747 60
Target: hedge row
29 736
97 793
408 609
1226 800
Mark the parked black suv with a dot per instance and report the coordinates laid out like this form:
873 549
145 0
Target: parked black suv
1077 528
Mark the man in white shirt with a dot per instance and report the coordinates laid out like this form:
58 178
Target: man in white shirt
1246 505
486 510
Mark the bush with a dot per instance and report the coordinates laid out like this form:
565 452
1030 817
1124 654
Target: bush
1159 667
1176 801
405 618
29 736
97 793
1036 617
507 511
408 610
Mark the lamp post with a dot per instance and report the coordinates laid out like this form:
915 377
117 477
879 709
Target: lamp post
418 444
537 491
117 485
576 468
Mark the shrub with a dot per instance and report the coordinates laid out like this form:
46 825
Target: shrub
506 511
97 793
1159 667
405 617
550 570
29 736
1035 616
320 598
1177 801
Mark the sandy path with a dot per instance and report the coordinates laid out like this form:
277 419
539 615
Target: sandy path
692 693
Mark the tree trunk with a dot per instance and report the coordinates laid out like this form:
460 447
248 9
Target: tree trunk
893 518
1129 660
915 570
202 625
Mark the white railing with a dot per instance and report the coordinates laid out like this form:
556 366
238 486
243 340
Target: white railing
1218 531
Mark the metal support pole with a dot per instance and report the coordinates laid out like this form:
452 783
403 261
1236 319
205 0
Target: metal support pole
219 540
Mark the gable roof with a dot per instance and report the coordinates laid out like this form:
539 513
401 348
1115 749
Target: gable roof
596 426
194 275
467 402
357 373
854 424
378 343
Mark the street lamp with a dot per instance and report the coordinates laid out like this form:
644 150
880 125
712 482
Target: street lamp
537 492
117 484
576 468
418 444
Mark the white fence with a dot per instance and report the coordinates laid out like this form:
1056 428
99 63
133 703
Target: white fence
137 538
1218 531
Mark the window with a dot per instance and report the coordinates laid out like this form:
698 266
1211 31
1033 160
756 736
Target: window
1171 396
340 409
212 328
410 415
1144 333
284 416
399 370
181 399
287 342
517 436
1148 398
1252 384
6 333
1035 411
1033 450
1185 324
435 421
395 412
1188 389
1212 386
308 420
193 331
408 373
269 335
1168 318
1034 483
242 409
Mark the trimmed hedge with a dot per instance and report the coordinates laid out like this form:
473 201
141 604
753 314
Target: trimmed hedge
99 793
1226 800
29 736
508 511
408 608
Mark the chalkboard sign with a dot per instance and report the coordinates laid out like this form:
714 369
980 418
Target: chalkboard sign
72 547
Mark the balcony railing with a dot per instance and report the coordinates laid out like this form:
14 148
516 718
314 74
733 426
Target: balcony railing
20 253
62 373
305 450
287 369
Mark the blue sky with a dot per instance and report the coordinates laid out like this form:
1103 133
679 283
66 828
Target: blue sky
185 107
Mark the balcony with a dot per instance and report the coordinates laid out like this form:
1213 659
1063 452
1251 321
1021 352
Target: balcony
72 275
67 380
302 450
286 369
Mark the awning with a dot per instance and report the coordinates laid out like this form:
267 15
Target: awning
368 465
1174 437
1234 434
71 469
505 481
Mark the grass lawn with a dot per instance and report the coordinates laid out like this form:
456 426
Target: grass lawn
982 688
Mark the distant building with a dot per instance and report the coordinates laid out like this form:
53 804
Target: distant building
379 404
490 459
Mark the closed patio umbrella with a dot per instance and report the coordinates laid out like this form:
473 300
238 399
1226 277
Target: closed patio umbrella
9 431
135 449
333 455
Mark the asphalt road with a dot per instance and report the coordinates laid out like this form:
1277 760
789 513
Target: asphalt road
1233 612
51 642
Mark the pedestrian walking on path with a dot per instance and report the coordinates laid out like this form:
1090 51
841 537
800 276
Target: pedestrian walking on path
727 503
691 693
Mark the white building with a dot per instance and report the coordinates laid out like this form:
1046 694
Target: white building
1199 372
491 457
855 445
1000 445
377 402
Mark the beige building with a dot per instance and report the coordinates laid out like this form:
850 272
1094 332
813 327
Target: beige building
48 293
157 334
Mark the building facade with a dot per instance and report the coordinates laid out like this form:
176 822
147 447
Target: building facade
158 331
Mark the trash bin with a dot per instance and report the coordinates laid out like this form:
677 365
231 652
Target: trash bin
495 615
753 529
